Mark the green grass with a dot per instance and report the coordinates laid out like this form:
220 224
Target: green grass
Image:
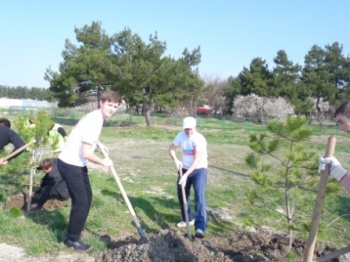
148 175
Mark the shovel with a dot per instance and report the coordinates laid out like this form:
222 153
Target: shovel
310 244
126 199
184 200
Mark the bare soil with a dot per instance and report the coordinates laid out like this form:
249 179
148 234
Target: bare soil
175 246
19 201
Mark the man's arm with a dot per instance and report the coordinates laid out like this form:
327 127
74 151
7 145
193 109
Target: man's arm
336 171
2 162
172 154
44 181
197 159
16 141
345 182
88 153
62 132
47 193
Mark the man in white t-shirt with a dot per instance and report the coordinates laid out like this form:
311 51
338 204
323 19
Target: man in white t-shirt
194 168
76 152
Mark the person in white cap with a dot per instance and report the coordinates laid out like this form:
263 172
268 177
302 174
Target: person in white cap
194 166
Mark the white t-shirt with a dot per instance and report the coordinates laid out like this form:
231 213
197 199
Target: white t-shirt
87 130
189 147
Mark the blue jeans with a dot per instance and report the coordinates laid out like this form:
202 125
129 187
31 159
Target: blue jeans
198 178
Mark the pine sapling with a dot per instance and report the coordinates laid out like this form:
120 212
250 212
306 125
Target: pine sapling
284 167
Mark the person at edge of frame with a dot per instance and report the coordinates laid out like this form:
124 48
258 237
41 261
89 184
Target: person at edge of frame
76 152
342 117
8 136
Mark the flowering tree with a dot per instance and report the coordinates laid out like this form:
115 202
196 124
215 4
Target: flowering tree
262 107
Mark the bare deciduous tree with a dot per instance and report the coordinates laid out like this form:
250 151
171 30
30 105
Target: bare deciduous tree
214 95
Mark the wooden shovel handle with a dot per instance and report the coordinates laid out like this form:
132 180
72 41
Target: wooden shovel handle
310 244
19 150
126 199
184 200
330 146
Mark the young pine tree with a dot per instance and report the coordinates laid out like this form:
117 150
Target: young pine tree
284 168
14 175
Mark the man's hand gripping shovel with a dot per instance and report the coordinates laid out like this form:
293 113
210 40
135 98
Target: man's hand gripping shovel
126 199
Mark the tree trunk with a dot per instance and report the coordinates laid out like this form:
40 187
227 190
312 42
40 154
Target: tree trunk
148 117
147 109
287 199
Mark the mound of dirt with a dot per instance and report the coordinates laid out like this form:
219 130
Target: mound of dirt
173 246
165 246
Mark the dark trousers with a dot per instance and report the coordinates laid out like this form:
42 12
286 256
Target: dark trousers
79 189
198 178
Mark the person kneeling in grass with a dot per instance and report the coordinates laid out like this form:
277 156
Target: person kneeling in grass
51 185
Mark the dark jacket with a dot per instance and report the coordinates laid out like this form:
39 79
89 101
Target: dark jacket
8 136
54 186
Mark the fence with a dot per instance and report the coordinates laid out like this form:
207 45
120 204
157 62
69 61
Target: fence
231 122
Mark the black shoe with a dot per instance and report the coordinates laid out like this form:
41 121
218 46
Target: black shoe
77 245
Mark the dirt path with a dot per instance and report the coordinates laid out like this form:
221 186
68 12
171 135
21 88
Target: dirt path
10 253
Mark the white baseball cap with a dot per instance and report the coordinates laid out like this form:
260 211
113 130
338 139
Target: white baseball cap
189 122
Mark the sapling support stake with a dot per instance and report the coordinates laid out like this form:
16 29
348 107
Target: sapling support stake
30 191
310 244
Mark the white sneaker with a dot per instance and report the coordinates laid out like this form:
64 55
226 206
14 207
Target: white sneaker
183 223
199 233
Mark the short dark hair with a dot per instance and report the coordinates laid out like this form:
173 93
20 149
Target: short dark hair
45 164
5 122
110 96
343 109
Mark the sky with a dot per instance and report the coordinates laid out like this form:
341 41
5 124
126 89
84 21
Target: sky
230 33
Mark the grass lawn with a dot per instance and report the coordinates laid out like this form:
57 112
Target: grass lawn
141 159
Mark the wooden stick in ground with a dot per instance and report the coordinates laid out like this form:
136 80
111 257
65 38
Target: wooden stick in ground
184 200
126 199
30 191
310 244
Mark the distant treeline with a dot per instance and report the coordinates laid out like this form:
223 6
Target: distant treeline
22 92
